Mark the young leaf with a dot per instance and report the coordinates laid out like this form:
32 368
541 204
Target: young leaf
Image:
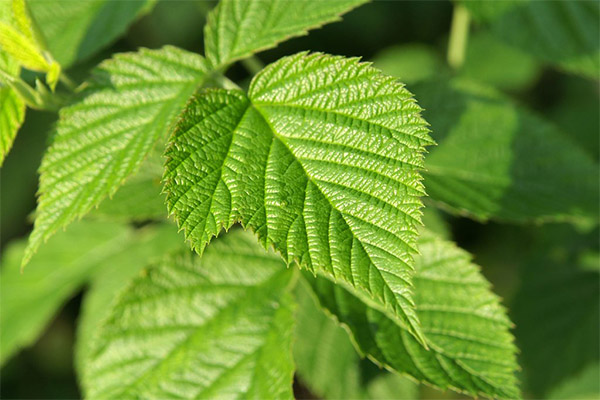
130 103
495 159
328 364
471 349
215 327
12 108
236 29
29 300
559 32
75 30
321 161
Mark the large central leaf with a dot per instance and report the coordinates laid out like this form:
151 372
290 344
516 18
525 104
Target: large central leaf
321 160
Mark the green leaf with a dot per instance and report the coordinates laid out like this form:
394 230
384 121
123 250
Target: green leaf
467 330
236 29
497 160
215 327
102 139
585 386
556 310
410 63
150 244
75 30
489 60
563 32
12 108
328 364
321 161
29 300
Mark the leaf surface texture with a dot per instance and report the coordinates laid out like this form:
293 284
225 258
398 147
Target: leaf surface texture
102 139
217 327
238 28
467 330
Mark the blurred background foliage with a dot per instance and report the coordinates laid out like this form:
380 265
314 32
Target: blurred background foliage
548 275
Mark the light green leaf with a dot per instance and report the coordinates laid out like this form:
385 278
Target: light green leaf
556 310
12 108
236 29
321 161
410 63
75 30
497 160
216 327
585 386
129 106
489 60
328 364
467 330
564 32
150 244
29 300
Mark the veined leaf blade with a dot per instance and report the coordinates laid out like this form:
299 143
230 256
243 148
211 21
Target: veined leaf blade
220 326
471 348
102 139
238 28
321 161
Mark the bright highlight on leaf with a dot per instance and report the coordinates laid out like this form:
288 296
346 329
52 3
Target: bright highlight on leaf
321 160
471 349
216 327
238 28
102 139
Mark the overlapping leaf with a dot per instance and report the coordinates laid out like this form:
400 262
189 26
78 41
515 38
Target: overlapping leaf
495 159
238 28
471 349
219 327
562 32
321 160
103 138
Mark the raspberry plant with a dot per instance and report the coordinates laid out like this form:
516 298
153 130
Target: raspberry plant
307 254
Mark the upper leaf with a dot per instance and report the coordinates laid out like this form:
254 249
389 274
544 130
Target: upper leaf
467 330
236 29
74 30
100 140
495 159
321 161
560 32
216 327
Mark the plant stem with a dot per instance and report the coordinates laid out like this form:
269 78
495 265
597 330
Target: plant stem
68 82
459 34
253 64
